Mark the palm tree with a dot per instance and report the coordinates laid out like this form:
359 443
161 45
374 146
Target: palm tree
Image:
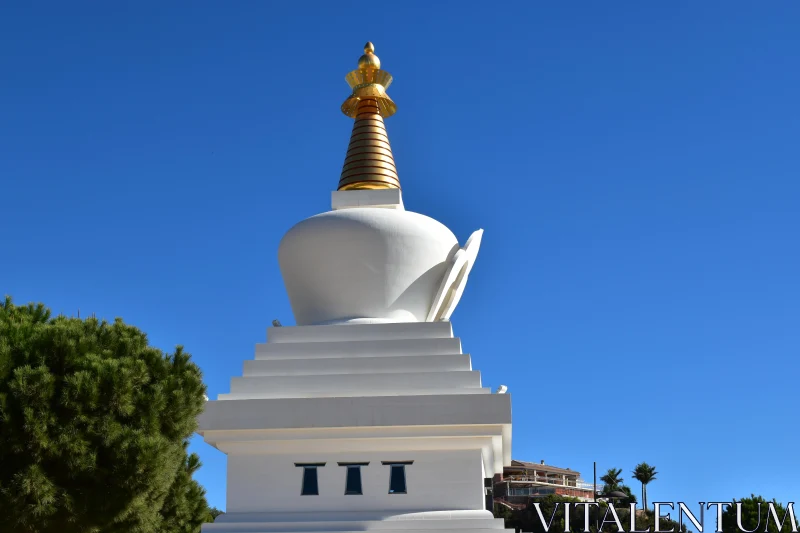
645 474
612 479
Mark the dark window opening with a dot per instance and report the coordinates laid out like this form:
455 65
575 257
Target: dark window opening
310 483
353 484
397 482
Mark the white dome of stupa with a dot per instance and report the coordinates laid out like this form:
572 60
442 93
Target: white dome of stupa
365 263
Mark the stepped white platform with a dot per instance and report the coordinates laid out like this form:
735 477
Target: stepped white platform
359 393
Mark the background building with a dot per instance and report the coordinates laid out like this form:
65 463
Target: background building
522 482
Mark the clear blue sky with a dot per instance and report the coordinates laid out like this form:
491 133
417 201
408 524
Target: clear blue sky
635 167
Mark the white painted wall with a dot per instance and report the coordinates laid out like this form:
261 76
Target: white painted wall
448 480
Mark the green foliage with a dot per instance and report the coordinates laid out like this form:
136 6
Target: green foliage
501 511
613 483
185 507
645 520
752 518
631 496
94 425
612 479
527 520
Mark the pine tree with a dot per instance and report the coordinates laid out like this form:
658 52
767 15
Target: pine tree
94 424
755 516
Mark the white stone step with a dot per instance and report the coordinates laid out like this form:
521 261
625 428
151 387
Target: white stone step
357 365
489 525
364 348
368 393
361 332
329 528
353 384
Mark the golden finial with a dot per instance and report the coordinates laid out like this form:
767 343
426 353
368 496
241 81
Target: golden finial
369 59
369 81
369 163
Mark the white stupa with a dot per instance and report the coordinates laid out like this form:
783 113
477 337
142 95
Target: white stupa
367 415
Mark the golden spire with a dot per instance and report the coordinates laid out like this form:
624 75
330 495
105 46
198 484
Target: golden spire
369 163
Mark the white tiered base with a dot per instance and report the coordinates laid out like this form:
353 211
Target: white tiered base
359 393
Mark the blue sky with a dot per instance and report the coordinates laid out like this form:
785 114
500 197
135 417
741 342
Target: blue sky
634 165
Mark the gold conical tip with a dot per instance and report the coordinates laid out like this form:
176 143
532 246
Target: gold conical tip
369 60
